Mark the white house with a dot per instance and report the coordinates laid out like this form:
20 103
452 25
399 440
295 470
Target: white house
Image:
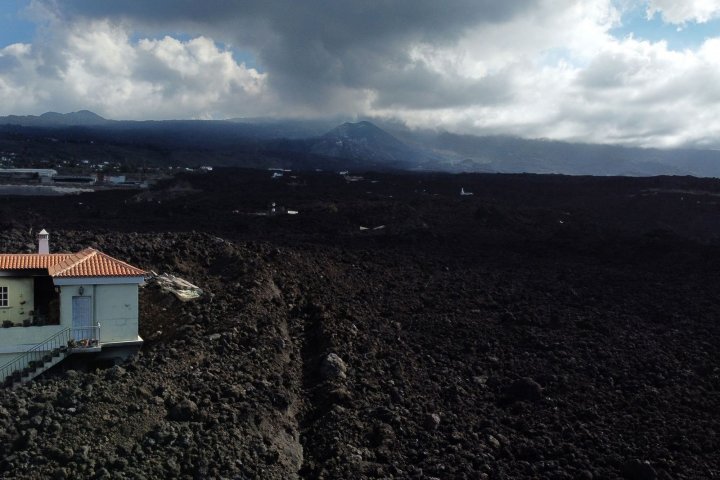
53 305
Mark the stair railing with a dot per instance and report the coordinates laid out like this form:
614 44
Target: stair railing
62 343
26 360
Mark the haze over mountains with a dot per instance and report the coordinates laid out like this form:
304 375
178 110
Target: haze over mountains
310 144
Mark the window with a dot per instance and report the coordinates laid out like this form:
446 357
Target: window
3 297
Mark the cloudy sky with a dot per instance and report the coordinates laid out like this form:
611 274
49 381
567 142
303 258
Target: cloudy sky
633 72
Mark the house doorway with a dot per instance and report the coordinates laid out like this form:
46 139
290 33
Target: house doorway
47 303
82 318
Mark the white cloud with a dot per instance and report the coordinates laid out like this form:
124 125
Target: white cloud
679 12
98 66
596 89
551 70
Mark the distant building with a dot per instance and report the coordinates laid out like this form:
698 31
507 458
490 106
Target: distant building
115 179
75 179
27 173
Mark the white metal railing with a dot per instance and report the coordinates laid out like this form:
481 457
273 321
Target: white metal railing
84 337
75 339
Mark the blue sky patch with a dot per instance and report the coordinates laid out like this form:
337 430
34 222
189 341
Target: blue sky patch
14 27
678 37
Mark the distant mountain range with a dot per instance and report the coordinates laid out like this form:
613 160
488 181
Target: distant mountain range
516 155
54 119
363 145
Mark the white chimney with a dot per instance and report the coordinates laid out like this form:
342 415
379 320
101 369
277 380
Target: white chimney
43 242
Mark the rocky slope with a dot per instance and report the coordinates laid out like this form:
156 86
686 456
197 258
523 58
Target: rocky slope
563 328
365 141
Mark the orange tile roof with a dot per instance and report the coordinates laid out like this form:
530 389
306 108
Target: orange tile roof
34 261
91 263
86 263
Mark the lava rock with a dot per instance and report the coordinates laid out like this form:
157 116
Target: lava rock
432 421
115 372
333 368
638 470
524 389
183 411
493 442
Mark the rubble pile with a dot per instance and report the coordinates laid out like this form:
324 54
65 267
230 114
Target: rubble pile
182 289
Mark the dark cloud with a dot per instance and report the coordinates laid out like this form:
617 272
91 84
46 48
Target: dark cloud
338 22
424 88
8 63
472 66
316 50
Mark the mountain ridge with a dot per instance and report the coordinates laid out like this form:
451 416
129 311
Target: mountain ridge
49 119
365 140
363 144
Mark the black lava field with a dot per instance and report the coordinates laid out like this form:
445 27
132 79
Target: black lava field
545 327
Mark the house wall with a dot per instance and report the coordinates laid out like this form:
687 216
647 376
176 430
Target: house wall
17 340
20 339
5 358
114 307
19 290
